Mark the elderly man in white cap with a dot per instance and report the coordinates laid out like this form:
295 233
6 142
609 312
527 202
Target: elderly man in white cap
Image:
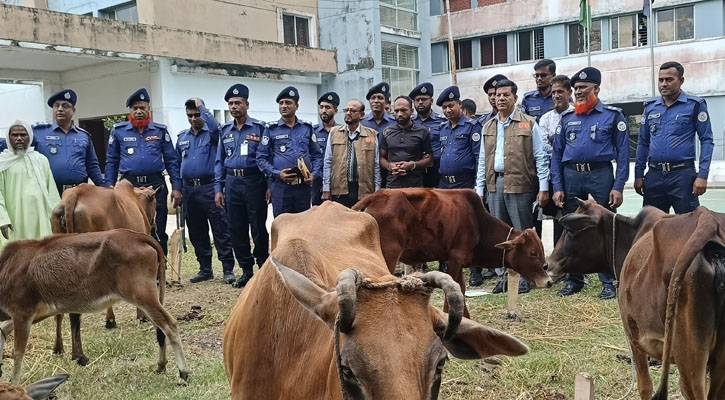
27 188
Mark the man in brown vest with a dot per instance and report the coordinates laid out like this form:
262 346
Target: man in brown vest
352 167
512 165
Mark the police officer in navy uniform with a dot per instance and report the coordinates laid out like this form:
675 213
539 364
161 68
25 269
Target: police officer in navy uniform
460 143
422 96
239 184
284 142
3 144
667 145
586 141
197 149
68 148
140 150
379 96
327 107
538 102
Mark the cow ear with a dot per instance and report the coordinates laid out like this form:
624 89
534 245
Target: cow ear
577 222
510 244
474 341
320 303
42 388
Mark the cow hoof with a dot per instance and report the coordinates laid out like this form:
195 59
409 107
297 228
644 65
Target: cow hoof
142 320
58 352
111 324
181 382
160 369
184 375
82 360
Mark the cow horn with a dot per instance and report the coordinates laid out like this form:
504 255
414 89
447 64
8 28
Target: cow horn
454 297
347 284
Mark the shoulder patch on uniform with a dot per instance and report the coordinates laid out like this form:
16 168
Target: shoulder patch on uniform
702 116
265 140
476 137
622 126
110 139
167 137
314 137
558 129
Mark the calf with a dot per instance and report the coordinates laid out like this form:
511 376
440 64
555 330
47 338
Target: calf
421 225
35 391
81 273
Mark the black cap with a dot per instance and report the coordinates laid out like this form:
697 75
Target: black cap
330 97
237 90
139 95
424 89
65 94
588 74
451 93
491 83
381 87
290 92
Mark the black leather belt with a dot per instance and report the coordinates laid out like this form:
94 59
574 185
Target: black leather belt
198 182
239 172
144 178
587 167
455 178
671 166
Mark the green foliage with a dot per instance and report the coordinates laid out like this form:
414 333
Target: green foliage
111 120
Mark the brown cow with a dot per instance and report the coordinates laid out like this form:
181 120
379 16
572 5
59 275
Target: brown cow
38 390
82 273
280 339
89 208
672 288
421 225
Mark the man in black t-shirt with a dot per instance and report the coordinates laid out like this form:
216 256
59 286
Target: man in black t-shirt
405 148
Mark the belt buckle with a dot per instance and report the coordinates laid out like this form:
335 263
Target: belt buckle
583 167
451 179
141 179
196 182
238 172
665 166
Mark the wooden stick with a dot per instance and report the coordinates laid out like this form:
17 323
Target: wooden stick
583 387
512 296
175 251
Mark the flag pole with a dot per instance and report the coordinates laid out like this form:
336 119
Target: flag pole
589 37
451 49
650 41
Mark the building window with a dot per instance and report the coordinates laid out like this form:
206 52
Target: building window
530 45
401 14
464 54
457 5
578 38
675 24
400 67
494 50
127 12
296 30
624 31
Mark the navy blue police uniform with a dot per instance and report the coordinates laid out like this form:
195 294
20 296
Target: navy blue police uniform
584 146
387 121
536 105
238 176
667 146
280 148
321 136
141 159
71 155
197 153
459 147
3 144
433 122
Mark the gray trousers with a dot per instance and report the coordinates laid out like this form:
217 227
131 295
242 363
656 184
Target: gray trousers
511 208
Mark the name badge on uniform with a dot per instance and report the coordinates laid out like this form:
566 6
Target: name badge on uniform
130 150
228 140
653 116
573 123
253 138
152 138
244 149
444 138
534 108
321 139
52 137
183 142
129 139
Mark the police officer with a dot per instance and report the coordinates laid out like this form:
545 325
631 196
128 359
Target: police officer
68 148
284 142
538 102
667 145
197 149
327 107
422 96
140 150
379 96
490 89
240 186
460 142
3 144
586 141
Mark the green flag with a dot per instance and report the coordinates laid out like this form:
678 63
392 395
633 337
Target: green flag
585 14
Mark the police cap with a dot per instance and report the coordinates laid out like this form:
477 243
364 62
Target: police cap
237 90
65 94
139 95
452 93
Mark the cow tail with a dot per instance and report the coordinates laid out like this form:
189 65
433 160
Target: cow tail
704 231
70 208
364 203
161 272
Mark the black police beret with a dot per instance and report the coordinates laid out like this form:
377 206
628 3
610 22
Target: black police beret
588 74
65 94
451 93
330 97
382 87
290 92
139 95
424 89
237 90
491 83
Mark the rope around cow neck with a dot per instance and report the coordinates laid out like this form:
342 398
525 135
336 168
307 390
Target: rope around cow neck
338 357
503 258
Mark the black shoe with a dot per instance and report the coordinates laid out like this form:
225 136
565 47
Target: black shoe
569 290
500 286
443 266
608 293
229 278
243 280
524 286
201 277
489 275
476 278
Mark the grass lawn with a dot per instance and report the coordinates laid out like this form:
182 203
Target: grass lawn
566 336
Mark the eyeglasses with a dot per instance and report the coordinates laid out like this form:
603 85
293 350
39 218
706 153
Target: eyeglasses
64 106
540 75
350 110
197 115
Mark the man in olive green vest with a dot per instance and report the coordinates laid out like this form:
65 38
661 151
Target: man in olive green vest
352 165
